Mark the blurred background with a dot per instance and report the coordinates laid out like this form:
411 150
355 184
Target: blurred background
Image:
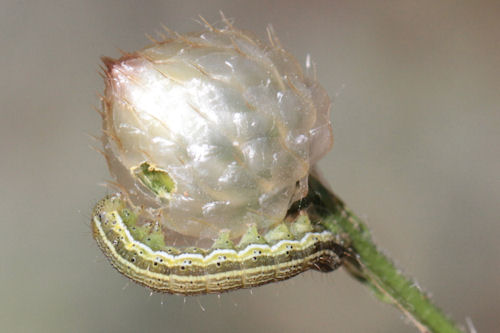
416 90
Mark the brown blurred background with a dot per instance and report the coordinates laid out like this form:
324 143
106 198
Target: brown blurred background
416 89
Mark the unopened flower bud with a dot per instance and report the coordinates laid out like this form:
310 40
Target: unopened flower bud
213 130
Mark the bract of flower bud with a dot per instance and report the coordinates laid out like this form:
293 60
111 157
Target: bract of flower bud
213 130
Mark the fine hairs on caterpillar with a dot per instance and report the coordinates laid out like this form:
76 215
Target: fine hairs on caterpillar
212 137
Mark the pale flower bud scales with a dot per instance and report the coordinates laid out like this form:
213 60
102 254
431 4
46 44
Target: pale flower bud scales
231 125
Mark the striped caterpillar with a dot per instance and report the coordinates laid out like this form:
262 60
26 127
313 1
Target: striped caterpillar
139 253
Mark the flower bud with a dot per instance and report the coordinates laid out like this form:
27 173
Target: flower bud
213 130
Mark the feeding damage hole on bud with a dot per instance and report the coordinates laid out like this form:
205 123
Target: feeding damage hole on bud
211 137
156 180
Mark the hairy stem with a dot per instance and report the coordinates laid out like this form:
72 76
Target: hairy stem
369 265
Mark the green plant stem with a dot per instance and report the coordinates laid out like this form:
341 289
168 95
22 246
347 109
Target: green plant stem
369 265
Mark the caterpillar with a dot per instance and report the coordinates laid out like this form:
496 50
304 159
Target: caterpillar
139 253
